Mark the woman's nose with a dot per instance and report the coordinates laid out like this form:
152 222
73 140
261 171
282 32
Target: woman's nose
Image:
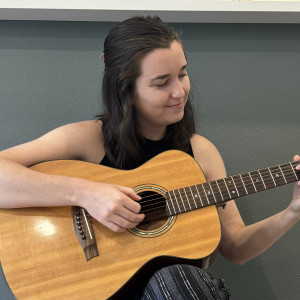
177 90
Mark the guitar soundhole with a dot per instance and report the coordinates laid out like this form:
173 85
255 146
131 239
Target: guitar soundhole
154 207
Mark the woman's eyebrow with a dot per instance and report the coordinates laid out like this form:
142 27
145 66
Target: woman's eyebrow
166 75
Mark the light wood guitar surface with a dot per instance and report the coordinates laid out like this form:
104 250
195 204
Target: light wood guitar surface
42 257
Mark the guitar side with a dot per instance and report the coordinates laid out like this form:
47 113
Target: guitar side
41 256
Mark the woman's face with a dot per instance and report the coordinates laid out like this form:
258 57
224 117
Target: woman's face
162 89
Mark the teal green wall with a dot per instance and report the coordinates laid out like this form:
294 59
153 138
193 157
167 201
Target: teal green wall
246 91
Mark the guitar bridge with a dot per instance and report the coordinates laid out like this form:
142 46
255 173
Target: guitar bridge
84 232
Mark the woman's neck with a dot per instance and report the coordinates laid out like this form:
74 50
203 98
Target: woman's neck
154 134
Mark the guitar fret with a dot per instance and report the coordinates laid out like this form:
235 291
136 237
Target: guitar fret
272 177
262 180
219 190
277 175
209 192
187 200
205 194
224 189
212 192
244 184
179 210
218 197
197 198
199 195
193 199
287 172
239 185
297 171
294 171
172 203
267 178
168 206
282 174
227 188
231 189
182 199
235 186
252 182
257 180
248 183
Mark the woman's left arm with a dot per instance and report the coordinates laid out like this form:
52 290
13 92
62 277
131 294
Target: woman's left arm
240 243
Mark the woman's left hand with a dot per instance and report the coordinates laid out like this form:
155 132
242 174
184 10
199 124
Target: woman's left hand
295 204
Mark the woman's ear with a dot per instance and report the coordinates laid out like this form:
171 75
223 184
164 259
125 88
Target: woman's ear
102 57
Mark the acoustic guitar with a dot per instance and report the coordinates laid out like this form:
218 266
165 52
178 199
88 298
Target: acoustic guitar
62 253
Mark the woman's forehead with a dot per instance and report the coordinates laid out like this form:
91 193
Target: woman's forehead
162 60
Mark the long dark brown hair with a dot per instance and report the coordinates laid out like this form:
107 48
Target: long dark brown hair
124 47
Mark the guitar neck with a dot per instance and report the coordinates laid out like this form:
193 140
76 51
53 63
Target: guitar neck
222 190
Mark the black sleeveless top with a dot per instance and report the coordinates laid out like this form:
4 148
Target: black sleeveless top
149 149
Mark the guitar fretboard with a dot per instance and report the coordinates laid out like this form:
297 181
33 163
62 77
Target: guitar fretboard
222 190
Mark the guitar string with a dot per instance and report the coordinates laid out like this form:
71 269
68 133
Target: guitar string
186 200
160 212
214 189
157 217
268 171
148 212
247 183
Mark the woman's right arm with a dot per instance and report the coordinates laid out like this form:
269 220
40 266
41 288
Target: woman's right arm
114 206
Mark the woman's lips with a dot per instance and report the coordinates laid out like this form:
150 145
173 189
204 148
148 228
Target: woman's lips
177 105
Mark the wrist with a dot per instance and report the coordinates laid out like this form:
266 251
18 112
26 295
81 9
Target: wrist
75 191
292 213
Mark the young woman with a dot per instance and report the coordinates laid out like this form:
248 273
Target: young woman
146 111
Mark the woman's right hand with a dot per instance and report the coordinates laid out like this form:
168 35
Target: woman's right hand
114 206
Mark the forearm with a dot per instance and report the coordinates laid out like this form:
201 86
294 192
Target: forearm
252 240
114 206
23 187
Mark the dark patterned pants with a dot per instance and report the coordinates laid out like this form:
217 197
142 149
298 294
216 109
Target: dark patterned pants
183 282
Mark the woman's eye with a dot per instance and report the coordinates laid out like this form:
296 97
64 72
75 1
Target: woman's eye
182 75
162 84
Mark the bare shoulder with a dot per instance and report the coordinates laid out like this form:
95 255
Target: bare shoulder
84 140
81 140
208 157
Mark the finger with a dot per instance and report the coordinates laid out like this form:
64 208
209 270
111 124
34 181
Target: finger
114 227
123 222
126 211
131 216
296 157
131 205
130 193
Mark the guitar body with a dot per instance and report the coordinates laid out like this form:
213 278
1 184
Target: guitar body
42 258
